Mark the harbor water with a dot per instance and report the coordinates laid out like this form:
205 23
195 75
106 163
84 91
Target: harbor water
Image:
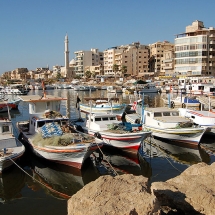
39 187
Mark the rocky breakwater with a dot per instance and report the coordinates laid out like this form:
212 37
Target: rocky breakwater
192 192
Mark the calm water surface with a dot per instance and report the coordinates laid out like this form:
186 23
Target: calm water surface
24 193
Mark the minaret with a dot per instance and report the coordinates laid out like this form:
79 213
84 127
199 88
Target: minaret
66 53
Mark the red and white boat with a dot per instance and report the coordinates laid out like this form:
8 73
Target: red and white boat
48 134
118 134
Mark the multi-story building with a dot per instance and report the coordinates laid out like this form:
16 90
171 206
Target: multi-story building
156 54
19 74
87 58
133 56
167 63
195 51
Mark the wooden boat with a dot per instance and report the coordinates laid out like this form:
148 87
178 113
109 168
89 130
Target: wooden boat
114 132
101 105
10 147
48 133
169 124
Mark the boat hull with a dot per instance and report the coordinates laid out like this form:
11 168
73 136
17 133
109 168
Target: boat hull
86 108
188 135
13 153
68 156
127 141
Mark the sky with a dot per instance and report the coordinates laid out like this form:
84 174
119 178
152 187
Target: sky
32 32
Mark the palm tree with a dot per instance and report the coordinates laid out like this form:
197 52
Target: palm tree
88 74
115 69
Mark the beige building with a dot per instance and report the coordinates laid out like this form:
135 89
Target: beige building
156 55
195 51
168 63
134 56
19 74
84 59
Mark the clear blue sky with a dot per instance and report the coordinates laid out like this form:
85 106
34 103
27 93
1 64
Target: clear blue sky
32 32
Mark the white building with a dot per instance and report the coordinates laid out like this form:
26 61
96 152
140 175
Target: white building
195 51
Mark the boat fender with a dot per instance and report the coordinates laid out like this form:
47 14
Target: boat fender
137 121
183 105
98 135
172 104
79 128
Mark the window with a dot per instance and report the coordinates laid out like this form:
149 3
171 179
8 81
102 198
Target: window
166 113
98 119
5 128
105 119
175 113
157 114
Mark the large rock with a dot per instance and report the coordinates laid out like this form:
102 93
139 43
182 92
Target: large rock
192 192
124 194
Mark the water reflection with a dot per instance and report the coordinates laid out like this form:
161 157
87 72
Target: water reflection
11 184
123 162
60 181
183 153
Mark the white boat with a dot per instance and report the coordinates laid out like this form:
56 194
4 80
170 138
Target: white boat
10 147
81 88
101 105
183 101
201 89
115 133
13 90
204 118
48 133
111 89
149 88
169 124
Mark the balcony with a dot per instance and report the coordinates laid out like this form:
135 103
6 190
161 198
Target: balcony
212 35
212 42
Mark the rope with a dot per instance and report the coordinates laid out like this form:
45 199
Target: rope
55 191
107 160
166 157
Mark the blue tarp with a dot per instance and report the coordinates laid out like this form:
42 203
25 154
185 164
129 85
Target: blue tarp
51 129
127 126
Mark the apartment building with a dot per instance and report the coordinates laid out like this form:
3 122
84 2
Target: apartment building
133 56
87 58
19 73
168 63
156 56
195 51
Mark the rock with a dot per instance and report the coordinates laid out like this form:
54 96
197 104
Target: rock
192 192
124 194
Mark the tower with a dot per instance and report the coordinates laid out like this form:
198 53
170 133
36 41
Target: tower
66 42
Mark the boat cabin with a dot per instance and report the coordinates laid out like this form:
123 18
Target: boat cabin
42 110
163 117
100 122
5 127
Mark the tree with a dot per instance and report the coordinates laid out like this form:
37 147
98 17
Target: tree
58 76
115 69
124 70
87 74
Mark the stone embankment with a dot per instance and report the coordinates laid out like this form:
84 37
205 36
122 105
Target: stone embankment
192 192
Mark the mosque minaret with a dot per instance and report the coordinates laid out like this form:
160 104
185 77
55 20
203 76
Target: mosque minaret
66 42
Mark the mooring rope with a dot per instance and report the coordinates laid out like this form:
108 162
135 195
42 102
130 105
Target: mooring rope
62 194
107 160
166 157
